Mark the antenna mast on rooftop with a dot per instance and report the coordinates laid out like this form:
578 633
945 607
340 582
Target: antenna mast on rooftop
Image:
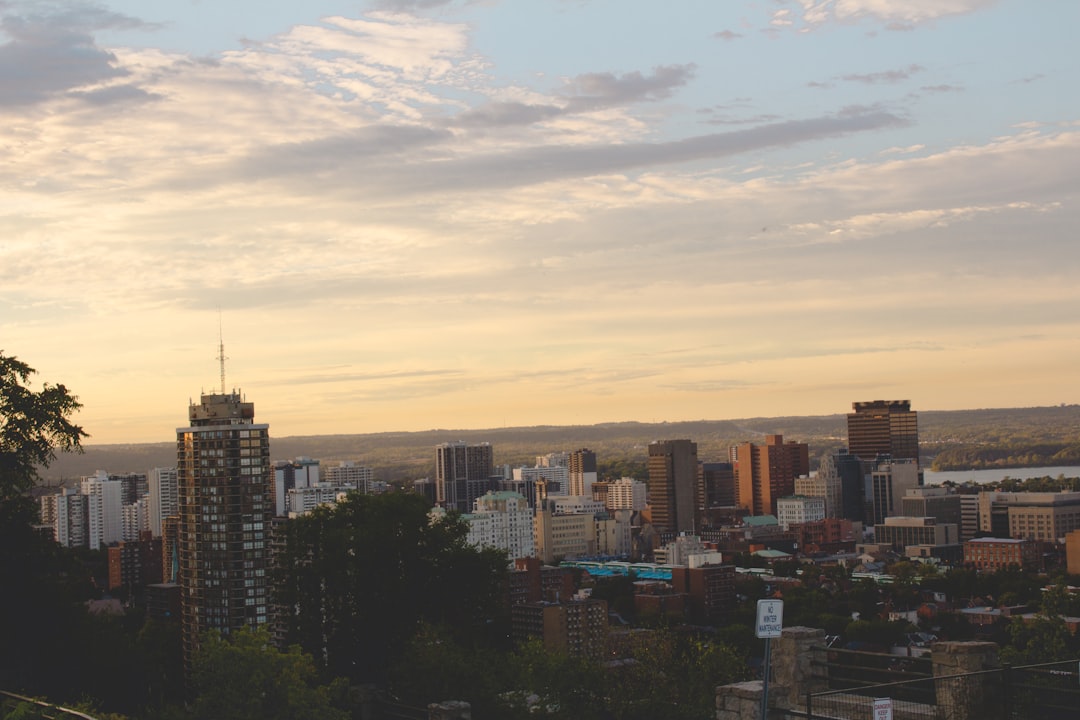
221 353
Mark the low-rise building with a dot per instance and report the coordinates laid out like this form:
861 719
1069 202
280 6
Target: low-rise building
576 627
999 553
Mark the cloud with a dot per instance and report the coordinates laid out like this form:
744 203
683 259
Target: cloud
899 15
48 54
532 165
727 35
942 88
409 5
886 77
597 90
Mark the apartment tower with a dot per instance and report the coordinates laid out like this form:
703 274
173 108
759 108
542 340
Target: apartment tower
676 494
462 474
766 473
225 508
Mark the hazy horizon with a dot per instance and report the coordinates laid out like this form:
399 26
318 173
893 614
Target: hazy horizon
406 214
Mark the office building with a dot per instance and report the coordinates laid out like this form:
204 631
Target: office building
883 427
719 481
226 507
581 469
799 509
766 473
462 474
900 532
560 536
1046 516
556 479
676 496
887 486
940 503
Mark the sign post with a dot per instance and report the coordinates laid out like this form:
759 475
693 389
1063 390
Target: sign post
770 623
883 709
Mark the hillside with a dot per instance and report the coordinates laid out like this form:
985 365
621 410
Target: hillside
969 436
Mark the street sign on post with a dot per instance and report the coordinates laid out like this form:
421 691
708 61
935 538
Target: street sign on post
770 618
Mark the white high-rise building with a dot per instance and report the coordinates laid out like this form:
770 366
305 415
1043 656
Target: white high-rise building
302 500
576 504
135 519
303 472
502 520
164 497
825 483
348 473
104 510
627 494
65 513
799 509
557 477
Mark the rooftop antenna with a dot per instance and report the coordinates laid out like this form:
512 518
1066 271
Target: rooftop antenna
221 353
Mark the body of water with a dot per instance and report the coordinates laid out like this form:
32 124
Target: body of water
984 476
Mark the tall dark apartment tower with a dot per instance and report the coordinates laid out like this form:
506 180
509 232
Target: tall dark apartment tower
719 480
883 427
766 473
226 505
676 494
582 471
462 474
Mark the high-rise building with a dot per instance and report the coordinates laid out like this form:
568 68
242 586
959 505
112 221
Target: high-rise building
104 510
719 480
841 479
65 513
582 472
889 483
462 474
883 427
303 472
502 520
226 507
798 509
360 477
627 494
164 499
676 495
766 473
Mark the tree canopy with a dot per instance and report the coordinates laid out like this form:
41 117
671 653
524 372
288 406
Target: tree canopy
33 426
356 580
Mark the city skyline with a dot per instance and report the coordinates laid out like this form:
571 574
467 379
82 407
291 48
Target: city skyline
440 214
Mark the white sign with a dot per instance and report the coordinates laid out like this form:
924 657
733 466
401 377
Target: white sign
770 618
883 709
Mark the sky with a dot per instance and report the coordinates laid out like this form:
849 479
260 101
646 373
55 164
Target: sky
405 215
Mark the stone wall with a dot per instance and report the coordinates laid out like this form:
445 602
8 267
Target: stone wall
793 676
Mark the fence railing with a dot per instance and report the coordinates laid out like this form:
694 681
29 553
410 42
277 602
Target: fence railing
10 700
1049 691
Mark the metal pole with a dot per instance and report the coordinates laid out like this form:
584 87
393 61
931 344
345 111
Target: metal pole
765 679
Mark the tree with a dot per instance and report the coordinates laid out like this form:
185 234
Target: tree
33 426
245 677
39 609
356 580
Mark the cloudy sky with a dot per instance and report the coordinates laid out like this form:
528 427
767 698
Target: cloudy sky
444 214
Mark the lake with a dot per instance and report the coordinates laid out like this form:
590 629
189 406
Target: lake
984 476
